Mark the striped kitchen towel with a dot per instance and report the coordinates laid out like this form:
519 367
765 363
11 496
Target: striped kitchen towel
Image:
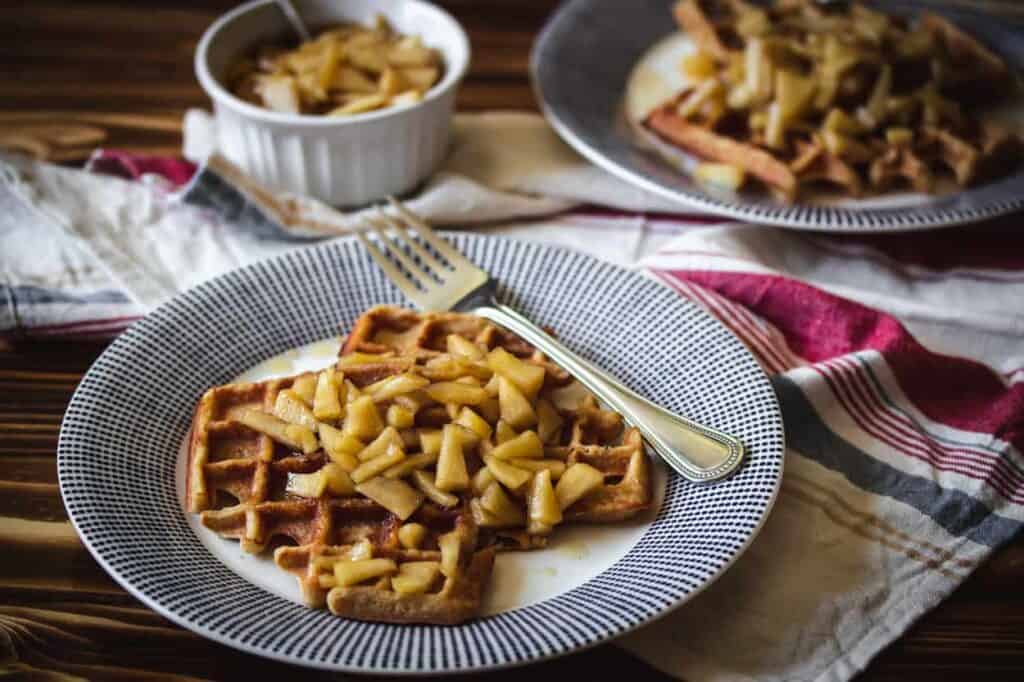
898 361
899 366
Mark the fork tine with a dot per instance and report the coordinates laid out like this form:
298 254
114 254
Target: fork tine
401 229
407 286
393 247
428 235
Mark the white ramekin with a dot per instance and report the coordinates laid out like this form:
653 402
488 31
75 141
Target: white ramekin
343 161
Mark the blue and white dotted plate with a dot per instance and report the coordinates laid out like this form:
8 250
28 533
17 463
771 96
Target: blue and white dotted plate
599 64
121 446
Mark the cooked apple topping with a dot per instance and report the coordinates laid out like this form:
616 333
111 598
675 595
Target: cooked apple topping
411 535
344 70
294 436
395 495
291 408
348 573
415 577
466 427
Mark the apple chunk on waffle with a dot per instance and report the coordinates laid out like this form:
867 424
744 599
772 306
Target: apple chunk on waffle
387 482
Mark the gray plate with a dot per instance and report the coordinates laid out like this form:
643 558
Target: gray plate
580 66
122 432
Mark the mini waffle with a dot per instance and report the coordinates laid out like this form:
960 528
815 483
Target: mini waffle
238 476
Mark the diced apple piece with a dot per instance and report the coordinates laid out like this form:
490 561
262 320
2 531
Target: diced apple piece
352 392
414 401
425 482
451 464
496 501
543 503
361 550
460 346
306 485
570 397
280 93
453 410
421 78
400 384
722 176
415 577
512 477
352 80
451 367
470 439
503 432
337 479
420 460
549 422
412 535
332 56
481 479
369 58
474 422
430 441
527 376
399 417
578 480
452 392
526 445
349 573
555 466
291 408
362 419
406 98
340 447
515 408
380 445
794 93
451 550
408 54
305 387
292 435
489 409
392 82
484 518
326 405
398 497
378 465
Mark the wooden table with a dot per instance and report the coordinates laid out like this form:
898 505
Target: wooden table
128 69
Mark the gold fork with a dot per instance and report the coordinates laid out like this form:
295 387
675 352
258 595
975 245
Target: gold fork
448 281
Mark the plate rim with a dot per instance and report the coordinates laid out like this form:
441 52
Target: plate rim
741 209
79 400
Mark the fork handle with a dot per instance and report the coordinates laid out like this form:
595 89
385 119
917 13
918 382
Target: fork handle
696 452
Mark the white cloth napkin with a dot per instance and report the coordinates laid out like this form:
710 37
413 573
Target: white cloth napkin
903 470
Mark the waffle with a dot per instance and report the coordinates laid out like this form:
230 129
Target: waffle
800 93
239 477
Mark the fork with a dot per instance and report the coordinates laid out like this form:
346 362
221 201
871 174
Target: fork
696 452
